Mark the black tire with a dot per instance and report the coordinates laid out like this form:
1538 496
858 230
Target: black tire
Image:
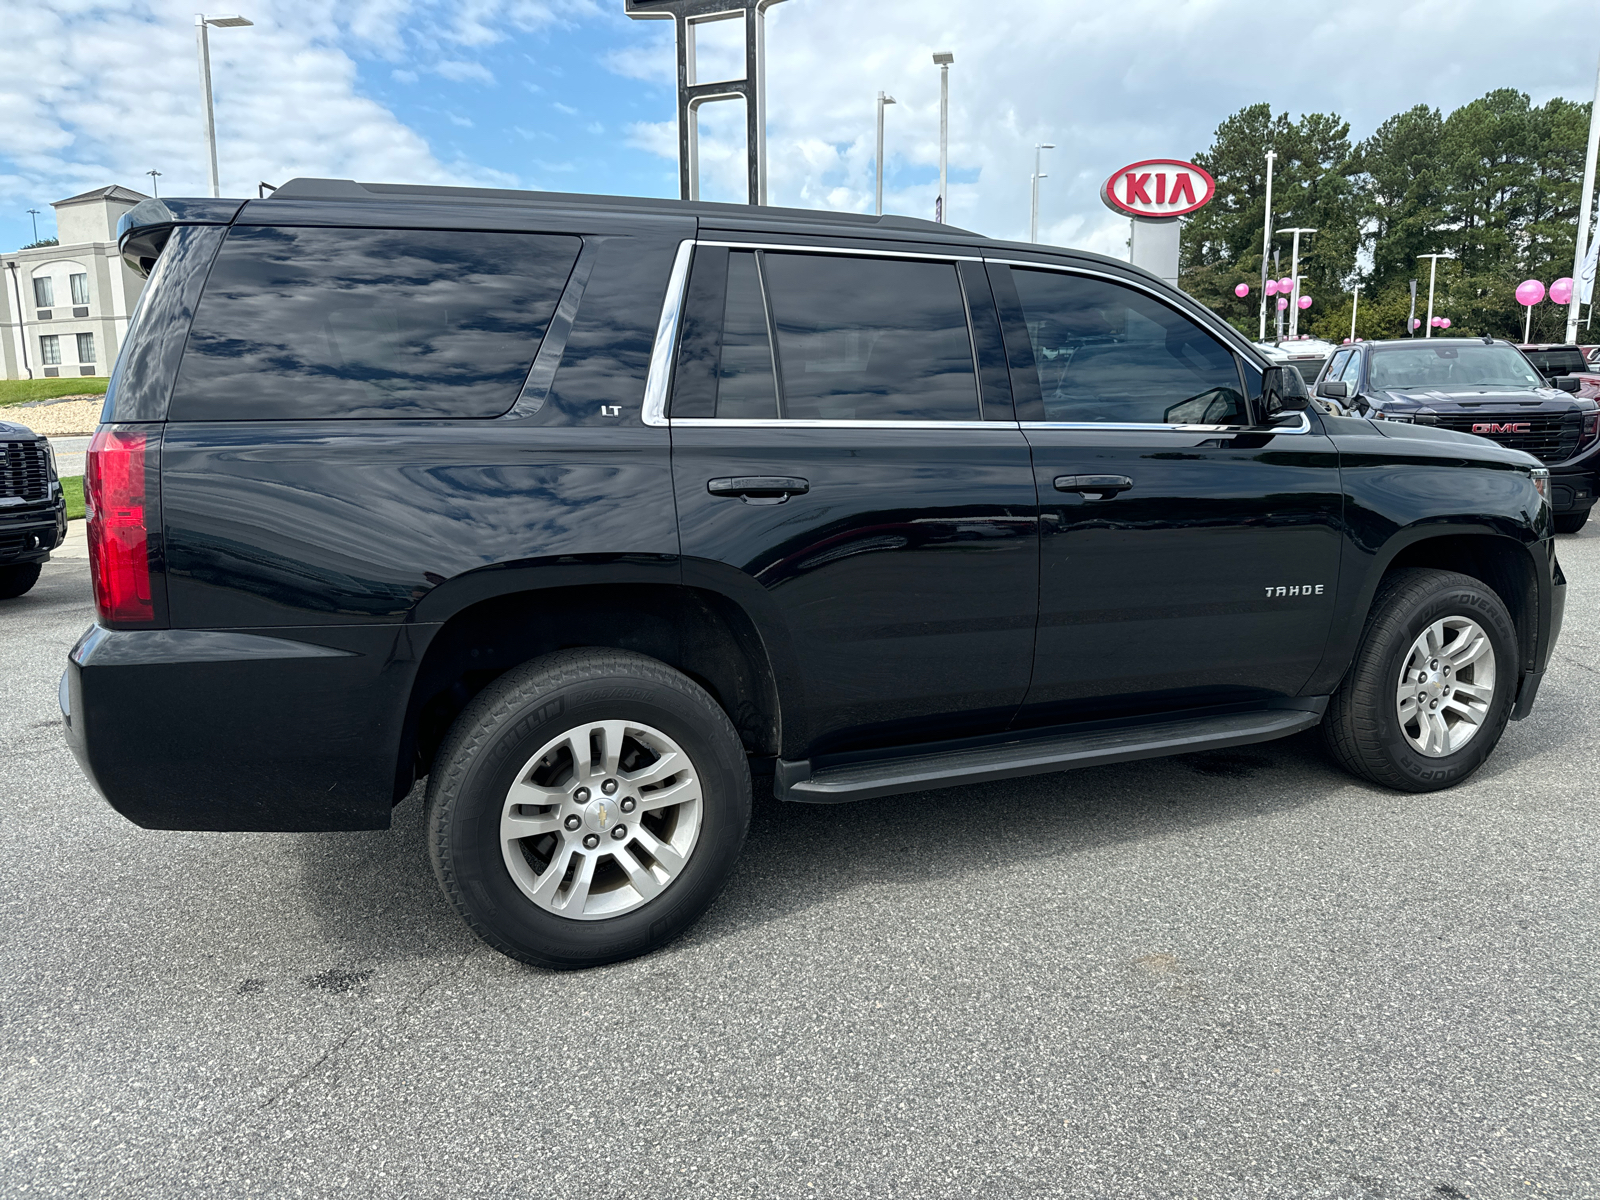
494 738
1363 727
18 579
1571 522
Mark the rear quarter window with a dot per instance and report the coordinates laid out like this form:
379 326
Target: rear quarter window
317 323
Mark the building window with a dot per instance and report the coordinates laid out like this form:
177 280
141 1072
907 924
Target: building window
44 294
50 346
80 288
85 343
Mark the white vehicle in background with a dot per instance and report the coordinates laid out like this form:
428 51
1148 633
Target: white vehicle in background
1306 355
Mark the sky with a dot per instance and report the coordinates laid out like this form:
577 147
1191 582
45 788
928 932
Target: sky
570 95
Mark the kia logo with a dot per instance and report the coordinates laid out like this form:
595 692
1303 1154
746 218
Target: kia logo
1494 427
1158 187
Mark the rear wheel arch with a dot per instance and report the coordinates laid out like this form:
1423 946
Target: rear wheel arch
703 634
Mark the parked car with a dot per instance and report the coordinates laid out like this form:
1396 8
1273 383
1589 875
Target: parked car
1483 387
1306 355
33 511
1555 361
585 509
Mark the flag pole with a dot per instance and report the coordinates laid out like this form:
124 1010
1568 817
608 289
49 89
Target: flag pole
1580 251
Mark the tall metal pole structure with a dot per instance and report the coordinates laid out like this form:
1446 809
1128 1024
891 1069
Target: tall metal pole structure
883 102
1354 301
943 59
1294 273
1266 244
1038 174
155 183
1581 246
203 43
1433 273
752 89
33 214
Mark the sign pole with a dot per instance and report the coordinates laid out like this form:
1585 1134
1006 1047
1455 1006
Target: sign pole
1354 301
1266 245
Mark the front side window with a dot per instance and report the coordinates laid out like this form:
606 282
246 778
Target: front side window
44 292
86 347
299 323
1336 367
50 348
1109 354
80 288
1352 372
870 339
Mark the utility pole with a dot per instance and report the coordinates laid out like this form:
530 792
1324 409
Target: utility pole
883 102
943 59
1294 273
1038 174
1581 250
1266 244
1354 301
1433 272
155 186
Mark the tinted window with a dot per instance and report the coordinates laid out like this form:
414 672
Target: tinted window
1558 362
871 339
1108 353
309 323
1336 365
746 386
1451 363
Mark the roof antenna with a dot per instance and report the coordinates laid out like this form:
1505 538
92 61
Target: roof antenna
1488 340
263 188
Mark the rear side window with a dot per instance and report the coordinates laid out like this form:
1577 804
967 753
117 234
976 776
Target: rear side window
369 323
1108 353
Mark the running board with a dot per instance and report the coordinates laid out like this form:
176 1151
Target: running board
1054 751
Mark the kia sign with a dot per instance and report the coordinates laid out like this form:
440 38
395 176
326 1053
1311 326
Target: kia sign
1158 187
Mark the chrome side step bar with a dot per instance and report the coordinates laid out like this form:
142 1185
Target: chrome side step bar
1053 750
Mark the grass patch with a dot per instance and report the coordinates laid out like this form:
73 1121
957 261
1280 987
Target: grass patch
72 489
19 391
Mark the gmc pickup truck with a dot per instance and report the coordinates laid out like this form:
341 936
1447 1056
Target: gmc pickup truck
586 509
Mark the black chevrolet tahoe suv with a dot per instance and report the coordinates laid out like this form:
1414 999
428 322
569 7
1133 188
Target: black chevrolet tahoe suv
1484 387
33 511
586 509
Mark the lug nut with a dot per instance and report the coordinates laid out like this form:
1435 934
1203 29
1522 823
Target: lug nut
1435 704
620 832
629 804
581 795
591 841
609 787
1434 665
573 821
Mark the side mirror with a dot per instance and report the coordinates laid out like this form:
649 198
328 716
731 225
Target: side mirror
1334 389
1566 383
1283 389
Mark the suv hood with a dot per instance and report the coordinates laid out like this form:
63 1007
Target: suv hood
1468 399
14 432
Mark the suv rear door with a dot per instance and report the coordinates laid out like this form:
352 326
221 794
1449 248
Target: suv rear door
848 467
1189 556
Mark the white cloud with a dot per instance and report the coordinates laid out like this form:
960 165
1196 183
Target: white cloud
565 108
461 72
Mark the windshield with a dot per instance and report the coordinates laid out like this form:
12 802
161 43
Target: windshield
1457 367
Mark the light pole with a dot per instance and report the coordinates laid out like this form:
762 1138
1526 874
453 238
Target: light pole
1038 174
883 102
1294 273
1581 250
1433 272
1354 300
942 60
33 214
1266 243
203 41
155 187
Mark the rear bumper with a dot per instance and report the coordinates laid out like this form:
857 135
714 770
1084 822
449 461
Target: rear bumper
228 730
28 536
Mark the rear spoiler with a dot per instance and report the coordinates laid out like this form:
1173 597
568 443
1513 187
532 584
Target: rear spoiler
143 231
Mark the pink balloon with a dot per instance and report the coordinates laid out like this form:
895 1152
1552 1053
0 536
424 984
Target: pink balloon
1271 287
1242 290
1305 301
1435 321
1416 322
1346 342
1282 304
1286 284
1561 291
1444 322
1529 292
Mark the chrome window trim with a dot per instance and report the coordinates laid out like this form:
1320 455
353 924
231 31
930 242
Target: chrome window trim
665 351
1127 427
796 423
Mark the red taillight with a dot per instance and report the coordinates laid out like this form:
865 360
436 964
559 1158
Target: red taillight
120 511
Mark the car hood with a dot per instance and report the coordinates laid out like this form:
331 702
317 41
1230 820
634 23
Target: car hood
1466 400
12 431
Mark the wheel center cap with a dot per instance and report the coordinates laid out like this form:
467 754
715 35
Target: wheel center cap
601 813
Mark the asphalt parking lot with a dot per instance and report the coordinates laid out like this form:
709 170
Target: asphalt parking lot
1229 975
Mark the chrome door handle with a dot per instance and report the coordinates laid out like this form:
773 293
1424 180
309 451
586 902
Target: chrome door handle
1103 486
759 489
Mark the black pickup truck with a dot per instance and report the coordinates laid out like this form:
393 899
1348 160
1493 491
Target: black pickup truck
33 511
586 509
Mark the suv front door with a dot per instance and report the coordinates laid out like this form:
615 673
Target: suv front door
1189 555
848 468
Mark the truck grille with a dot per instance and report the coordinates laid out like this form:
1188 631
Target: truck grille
24 471
1550 437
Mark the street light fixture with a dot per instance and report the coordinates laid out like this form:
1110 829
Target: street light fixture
1266 244
202 38
1038 174
883 102
155 186
942 60
1433 272
34 214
